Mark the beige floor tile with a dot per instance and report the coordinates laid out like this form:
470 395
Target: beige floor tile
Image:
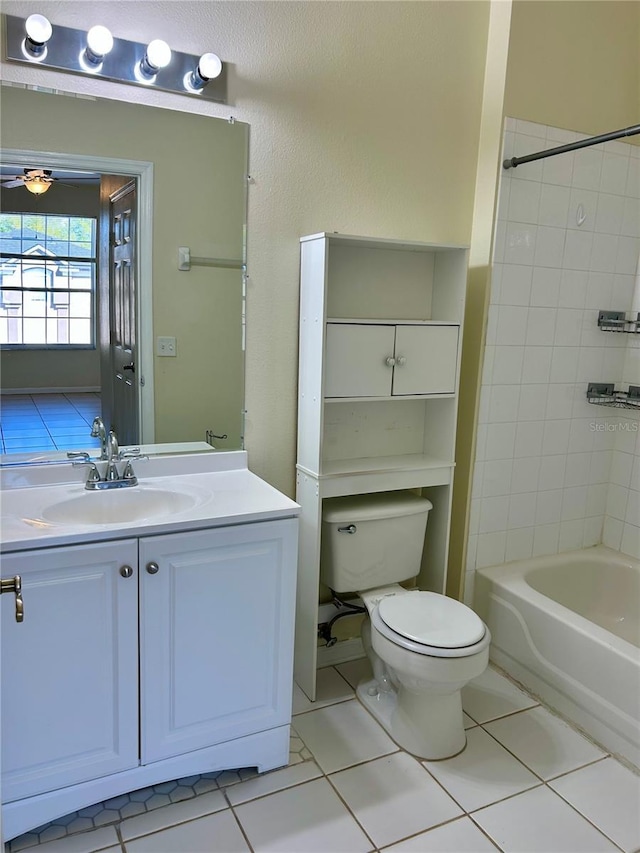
215 833
309 818
459 836
176 813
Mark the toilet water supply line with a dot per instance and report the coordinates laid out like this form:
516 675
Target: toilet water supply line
324 628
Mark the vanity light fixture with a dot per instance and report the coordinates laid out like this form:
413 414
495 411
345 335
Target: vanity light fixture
38 31
96 52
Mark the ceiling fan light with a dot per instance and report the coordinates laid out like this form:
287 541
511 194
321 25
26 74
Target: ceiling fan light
99 44
39 30
37 185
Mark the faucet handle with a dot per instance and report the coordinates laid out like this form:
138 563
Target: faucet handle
132 452
82 457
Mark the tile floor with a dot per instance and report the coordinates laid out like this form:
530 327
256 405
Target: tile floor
31 423
527 781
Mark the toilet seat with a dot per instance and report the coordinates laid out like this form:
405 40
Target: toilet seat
430 624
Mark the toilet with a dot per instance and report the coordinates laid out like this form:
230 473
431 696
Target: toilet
423 646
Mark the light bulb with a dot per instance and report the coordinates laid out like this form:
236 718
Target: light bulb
37 185
209 66
158 54
39 30
99 43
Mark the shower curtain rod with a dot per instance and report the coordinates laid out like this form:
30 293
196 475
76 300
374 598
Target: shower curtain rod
512 162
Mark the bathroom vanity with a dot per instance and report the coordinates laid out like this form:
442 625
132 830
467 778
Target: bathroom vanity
157 632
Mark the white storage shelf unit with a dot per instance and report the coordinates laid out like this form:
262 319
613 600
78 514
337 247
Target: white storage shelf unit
380 342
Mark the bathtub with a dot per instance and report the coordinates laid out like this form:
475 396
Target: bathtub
567 627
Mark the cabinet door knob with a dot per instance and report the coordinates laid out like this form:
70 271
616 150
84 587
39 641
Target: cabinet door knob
126 571
390 362
401 361
152 568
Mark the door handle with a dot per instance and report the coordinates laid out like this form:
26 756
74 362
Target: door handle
14 585
131 367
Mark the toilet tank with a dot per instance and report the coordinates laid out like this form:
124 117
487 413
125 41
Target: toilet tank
372 540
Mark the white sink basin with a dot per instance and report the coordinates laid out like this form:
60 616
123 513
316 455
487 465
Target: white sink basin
118 506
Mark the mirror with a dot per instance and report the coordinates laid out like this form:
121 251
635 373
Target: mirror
190 172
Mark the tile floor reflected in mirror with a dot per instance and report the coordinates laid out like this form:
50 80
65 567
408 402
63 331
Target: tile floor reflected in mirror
31 423
527 781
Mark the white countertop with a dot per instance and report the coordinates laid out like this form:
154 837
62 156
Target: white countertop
219 487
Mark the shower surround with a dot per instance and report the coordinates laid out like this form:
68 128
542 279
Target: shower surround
554 473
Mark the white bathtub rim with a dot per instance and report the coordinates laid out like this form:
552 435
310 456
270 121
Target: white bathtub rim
514 575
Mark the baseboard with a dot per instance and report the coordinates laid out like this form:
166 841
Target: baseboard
343 651
90 389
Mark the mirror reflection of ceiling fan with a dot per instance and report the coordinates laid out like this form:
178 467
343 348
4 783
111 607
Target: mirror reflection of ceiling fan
37 181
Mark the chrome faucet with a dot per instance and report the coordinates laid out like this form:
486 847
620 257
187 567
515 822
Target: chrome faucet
113 455
98 430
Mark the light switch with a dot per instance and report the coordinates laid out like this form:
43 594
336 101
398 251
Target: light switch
165 346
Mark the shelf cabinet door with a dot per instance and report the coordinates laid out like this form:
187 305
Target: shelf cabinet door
216 635
70 669
356 360
426 360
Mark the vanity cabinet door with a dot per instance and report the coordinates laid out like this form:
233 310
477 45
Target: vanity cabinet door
216 633
70 669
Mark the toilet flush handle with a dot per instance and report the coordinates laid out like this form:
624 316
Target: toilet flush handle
350 529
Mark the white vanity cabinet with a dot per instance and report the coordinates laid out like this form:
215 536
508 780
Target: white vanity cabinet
380 345
216 633
70 670
145 659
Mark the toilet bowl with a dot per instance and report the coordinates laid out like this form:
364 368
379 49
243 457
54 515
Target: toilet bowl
423 646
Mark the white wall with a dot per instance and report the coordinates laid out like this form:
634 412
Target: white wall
364 119
545 457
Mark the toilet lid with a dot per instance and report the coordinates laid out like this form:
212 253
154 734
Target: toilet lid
432 619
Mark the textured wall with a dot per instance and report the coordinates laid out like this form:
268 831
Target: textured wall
364 119
574 64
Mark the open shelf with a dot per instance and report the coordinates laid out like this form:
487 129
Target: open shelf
604 394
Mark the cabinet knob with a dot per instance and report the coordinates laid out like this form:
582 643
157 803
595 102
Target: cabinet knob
152 568
390 362
126 571
401 361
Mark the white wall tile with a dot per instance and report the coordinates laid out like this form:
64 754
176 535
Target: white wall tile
536 365
515 285
528 439
577 250
574 503
522 510
519 243
541 325
551 475
519 544
496 478
545 287
507 365
524 200
549 246
553 472
582 209
613 178
587 168
545 539
554 205
573 289
630 543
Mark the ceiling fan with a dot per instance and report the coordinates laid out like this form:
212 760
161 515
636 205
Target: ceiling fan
37 181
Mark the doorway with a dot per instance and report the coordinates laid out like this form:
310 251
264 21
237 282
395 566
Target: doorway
140 173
